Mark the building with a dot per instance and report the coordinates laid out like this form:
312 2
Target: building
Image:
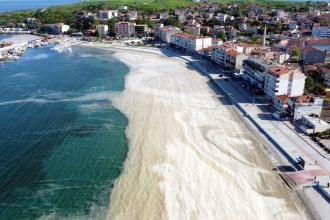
284 80
320 31
191 42
194 29
255 70
108 14
56 29
222 17
141 30
229 56
166 33
313 55
124 29
157 29
304 105
103 30
281 103
310 124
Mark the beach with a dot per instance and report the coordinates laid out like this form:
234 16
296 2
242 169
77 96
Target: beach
189 155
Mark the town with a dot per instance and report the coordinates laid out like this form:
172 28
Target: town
277 60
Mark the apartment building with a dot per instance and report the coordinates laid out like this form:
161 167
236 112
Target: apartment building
167 32
103 30
191 42
108 14
56 29
284 80
255 70
229 56
320 31
141 30
125 29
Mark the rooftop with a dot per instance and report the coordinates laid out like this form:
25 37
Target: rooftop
279 70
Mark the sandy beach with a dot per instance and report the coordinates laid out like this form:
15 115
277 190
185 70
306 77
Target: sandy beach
190 157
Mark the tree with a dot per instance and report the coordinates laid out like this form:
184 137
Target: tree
296 52
309 83
221 35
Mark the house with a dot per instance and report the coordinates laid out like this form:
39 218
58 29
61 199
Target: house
284 80
304 105
313 55
281 103
194 29
310 124
222 17
103 30
132 15
107 14
56 29
125 29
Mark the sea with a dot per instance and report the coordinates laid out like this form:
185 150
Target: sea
62 143
14 5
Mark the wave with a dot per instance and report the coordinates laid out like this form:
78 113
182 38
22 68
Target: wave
53 97
38 57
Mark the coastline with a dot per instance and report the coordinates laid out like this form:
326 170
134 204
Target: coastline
177 149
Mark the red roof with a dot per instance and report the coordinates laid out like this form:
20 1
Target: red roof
304 98
279 70
283 98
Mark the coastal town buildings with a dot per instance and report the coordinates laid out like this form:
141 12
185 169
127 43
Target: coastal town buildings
56 29
124 29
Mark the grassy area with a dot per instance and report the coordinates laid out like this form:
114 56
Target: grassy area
68 13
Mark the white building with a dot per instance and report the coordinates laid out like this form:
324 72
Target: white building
58 28
229 56
305 105
167 32
222 17
321 31
311 125
284 80
158 28
103 30
108 14
191 42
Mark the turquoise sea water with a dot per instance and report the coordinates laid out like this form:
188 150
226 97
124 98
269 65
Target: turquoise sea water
62 144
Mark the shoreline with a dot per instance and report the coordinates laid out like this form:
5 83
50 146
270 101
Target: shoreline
162 207
158 171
